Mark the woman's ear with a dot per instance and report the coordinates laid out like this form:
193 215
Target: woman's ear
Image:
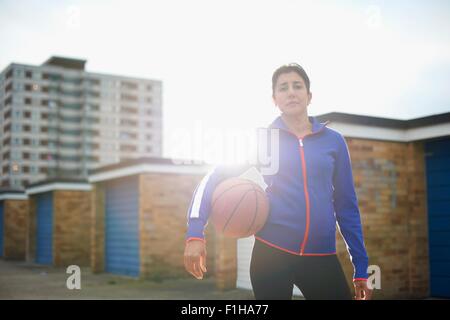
309 97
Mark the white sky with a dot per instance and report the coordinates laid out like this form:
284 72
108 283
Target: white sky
216 58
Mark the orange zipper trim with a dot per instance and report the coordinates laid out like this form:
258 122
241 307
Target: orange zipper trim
305 184
305 188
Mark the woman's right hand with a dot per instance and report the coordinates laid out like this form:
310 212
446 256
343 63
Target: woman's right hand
195 258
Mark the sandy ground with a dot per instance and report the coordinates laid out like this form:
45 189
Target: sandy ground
19 280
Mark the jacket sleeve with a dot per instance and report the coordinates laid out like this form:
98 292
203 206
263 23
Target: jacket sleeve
347 212
200 207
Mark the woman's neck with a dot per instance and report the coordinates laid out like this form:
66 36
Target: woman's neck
299 124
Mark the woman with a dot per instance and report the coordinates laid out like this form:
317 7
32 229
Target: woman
312 190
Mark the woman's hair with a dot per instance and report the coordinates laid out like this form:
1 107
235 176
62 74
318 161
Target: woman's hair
291 67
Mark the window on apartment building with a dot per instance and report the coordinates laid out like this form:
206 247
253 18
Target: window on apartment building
27 101
28 74
94 94
148 112
27 114
8 88
17 86
25 169
26 155
28 87
94 146
149 87
94 81
127 135
128 97
128 148
92 120
8 114
93 107
128 122
72 106
44 88
15 168
129 85
71 132
15 155
26 128
52 130
148 124
70 158
148 136
5 169
8 101
128 110
149 149
16 127
148 100
44 102
9 74
26 142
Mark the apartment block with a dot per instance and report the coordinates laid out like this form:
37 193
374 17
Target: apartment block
58 120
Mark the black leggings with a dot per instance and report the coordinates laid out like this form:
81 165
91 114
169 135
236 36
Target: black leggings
273 273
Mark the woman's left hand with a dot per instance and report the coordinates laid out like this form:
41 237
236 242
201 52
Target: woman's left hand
362 291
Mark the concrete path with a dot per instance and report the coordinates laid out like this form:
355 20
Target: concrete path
19 280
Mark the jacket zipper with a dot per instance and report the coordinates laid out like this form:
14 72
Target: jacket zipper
305 184
305 189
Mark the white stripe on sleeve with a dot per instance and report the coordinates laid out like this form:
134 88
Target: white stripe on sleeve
195 212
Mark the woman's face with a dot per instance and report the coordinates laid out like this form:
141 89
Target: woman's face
291 95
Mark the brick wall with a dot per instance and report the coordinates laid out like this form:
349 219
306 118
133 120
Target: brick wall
31 230
390 185
97 216
15 229
164 201
71 229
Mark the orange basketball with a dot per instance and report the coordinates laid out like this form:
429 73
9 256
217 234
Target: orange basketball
239 208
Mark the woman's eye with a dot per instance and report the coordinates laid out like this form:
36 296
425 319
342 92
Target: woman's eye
283 89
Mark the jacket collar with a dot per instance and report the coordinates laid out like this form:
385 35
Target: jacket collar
279 123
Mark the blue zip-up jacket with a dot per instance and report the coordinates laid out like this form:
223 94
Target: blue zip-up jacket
311 191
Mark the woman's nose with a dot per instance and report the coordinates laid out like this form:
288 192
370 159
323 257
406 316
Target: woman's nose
290 91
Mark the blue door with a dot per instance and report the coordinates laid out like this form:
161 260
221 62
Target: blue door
2 231
122 227
44 228
438 189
